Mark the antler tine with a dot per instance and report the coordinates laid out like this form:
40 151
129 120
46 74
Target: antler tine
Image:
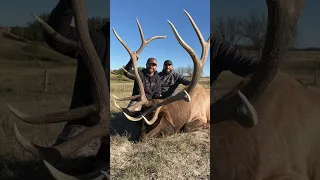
144 42
55 117
64 149
127 72
100 97
198 66
126 98
56 35
205 49
133 56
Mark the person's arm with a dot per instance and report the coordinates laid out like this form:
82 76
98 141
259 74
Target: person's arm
225 56
157 91
60 20
129 68
182 80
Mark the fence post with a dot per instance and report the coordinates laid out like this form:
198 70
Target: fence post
46 80
315 71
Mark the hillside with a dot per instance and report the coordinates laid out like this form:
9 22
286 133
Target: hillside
14 48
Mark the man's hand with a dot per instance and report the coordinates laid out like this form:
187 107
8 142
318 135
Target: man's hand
136 55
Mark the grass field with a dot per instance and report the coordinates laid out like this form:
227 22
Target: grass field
21 84
22 68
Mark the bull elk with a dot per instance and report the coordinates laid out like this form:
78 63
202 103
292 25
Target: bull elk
188 110
285 144
99 109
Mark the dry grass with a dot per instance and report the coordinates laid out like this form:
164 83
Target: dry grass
21 85
180 156
22 88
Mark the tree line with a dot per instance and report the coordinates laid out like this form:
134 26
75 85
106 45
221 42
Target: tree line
249 31
33 30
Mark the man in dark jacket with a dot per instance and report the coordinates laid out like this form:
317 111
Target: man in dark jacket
225 56
60 20
150 79
170 79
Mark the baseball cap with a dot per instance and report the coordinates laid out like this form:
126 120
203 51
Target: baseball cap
152 60
167 62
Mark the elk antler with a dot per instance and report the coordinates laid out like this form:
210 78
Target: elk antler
100 93
134 55
283 16
198 66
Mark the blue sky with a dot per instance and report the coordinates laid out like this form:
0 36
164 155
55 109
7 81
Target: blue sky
153 16
308 25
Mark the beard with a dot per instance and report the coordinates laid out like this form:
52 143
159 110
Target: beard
151 70
167 70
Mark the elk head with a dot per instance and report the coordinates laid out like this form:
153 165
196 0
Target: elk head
182 95
237 104
100 93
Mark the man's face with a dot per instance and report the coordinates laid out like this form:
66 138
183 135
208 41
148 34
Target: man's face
167 68
151 67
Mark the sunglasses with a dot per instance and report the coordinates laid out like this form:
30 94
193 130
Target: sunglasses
152 64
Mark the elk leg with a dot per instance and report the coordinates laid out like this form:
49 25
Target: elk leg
196 125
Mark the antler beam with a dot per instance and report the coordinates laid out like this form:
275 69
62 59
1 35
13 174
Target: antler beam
134 56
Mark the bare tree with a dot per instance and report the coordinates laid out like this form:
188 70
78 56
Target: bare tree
254 28
189 71
228 28
181 70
